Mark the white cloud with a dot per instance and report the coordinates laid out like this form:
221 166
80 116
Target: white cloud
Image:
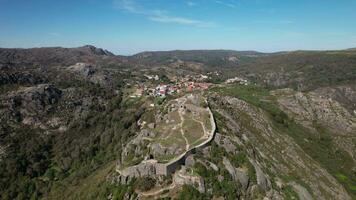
225 4
161 16
181 20
129 5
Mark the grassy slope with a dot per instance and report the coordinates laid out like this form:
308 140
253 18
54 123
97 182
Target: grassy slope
321 149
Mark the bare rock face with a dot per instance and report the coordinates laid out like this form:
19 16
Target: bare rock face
29 105
345 95
224 142
273 153
262 179
183 178
190 161
237 174
37 97
141 170
309 107
91 73
158 150
301 191
82 69
243 178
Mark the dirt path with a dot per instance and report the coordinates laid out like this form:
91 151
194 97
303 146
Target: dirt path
157 192
205 135
181 127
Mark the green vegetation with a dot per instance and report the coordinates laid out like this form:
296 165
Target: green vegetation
303 69
38 163
193 130
289 192
189 192
318 146
225 188
145 183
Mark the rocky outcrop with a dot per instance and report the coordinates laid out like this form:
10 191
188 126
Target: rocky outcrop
29 105
313 110
225 143
262 180
146 168
189 161
272 152
183 178
345 95
57 56
310 107
158 150
90 73
237 174
82 69
301 191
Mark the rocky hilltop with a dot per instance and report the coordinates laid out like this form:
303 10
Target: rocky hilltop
56 56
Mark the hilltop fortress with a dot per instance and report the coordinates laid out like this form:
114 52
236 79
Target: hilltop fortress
152 167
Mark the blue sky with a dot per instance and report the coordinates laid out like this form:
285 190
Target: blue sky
131 26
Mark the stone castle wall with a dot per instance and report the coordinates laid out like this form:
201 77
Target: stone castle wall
156 168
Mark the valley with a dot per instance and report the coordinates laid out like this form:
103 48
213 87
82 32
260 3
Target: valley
83 123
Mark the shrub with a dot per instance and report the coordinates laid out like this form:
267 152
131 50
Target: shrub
145 183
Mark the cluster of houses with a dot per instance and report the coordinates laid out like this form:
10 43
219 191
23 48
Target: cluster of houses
162 90
239 80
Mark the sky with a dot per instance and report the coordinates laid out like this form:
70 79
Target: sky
127 27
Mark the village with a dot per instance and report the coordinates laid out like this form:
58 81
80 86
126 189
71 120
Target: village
154 86
176 85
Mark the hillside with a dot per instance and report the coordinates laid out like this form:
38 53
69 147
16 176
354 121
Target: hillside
82 123
210 58
57 56
302 70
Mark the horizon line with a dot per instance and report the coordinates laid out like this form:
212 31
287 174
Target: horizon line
171 50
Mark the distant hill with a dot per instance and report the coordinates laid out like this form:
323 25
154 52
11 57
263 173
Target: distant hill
212 58
56 56
301 70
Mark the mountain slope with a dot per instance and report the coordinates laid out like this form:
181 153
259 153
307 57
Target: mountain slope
288 148
56 56
210 58
64 126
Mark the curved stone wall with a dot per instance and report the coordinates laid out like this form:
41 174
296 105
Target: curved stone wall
168 168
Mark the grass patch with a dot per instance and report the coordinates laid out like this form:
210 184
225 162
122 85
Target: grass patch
193 130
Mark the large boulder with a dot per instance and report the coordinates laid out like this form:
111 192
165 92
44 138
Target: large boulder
82 69
262 179
225 142
301 191
183 178
237 175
